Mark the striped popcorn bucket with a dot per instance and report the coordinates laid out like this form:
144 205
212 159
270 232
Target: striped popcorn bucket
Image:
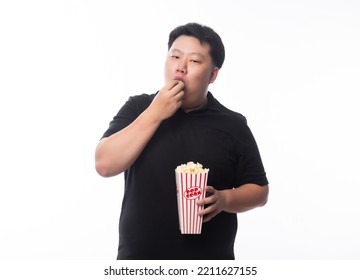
190 188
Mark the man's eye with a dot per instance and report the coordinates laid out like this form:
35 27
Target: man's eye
175 56
195 61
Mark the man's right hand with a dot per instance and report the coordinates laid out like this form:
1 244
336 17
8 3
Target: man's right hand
167 101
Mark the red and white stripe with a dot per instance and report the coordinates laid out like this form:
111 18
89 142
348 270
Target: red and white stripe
189 220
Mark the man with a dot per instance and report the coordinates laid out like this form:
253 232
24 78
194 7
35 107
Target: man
152 134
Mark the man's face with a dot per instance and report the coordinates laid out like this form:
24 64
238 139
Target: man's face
189 61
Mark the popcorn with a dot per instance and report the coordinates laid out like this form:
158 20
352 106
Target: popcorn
192 168
191 181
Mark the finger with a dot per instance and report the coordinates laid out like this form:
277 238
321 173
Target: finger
179 83
200 202
178 104
178 96
207 210
210 197
171 84
210 200
209 189
208 218
175 85
209 192
211 215
177 88
204 201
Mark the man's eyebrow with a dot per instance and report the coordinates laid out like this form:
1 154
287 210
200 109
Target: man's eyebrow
192 53
175 50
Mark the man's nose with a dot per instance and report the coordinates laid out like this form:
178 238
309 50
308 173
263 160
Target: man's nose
182 66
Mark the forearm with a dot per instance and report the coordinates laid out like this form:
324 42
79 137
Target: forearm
118 152
244 198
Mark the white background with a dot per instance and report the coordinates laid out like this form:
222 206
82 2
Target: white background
66 67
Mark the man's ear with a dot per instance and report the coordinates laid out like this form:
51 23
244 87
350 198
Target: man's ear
213 75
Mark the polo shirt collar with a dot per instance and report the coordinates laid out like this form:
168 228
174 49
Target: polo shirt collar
212 103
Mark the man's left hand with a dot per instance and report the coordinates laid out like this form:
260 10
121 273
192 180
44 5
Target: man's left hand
214 202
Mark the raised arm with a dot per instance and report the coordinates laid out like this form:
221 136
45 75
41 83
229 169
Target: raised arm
116 153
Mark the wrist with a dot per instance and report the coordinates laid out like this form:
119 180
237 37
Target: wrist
152 116
226 199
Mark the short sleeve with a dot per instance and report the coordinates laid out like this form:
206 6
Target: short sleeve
128 113
249 167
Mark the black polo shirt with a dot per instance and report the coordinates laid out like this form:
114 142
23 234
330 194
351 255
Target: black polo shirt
213 136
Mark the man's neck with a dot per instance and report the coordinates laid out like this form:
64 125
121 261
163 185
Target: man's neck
198 107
